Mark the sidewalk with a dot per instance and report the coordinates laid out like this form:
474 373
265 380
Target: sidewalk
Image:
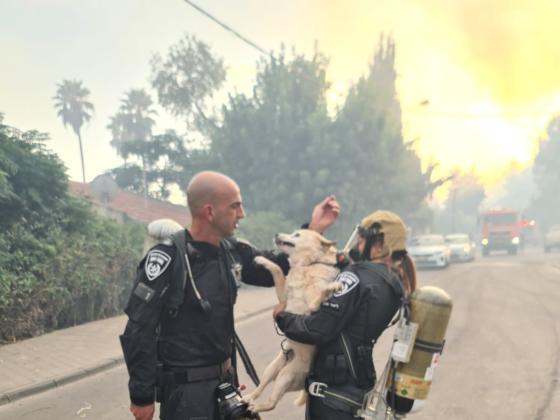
41 363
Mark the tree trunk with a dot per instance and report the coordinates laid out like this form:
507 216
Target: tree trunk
82 158
145 181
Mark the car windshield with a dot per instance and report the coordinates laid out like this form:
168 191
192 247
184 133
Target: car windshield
500 219
457 239
427 240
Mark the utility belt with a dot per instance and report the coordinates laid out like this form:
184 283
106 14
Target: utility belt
342 380
354 366
168 376
346 398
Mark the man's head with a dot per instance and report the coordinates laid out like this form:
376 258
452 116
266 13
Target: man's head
215 203
383 232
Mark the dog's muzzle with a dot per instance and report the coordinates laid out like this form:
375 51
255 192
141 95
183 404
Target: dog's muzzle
280 242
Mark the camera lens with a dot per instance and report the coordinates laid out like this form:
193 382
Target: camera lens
230 404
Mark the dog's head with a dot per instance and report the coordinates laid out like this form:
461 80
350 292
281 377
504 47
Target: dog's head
306 246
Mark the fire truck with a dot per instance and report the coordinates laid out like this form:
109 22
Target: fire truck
501 230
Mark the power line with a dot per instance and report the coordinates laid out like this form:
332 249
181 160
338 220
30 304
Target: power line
227 28
480 115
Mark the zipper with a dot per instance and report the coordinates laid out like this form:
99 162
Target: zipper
348 356
342 398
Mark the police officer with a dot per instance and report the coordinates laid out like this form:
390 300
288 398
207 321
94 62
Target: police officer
347 325
181 321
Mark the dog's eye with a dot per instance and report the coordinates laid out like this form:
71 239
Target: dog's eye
296 235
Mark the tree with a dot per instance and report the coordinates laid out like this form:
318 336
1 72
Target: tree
131 129
74 108
271 141
462 206
187 77
546 173
375 167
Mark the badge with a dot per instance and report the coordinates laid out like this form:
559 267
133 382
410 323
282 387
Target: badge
348 281
156 263
236 270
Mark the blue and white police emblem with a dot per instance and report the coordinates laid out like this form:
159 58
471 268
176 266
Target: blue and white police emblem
156 263
348 281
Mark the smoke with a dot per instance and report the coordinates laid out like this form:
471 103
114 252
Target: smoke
511 45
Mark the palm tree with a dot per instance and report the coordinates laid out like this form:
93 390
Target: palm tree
72 105
131 128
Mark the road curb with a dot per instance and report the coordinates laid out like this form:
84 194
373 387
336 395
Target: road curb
36 388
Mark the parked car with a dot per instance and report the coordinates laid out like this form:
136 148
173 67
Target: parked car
462 247
552 238
429 251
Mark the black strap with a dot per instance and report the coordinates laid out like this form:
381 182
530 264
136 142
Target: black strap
249 368
428 347
176 294
350 362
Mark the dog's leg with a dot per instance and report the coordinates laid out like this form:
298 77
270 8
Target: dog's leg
301 398
322 294
270 374
287 380
277 276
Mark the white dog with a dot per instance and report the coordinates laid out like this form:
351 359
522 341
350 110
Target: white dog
309 283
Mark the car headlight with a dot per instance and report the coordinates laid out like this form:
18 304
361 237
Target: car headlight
515 240
467 248
484 241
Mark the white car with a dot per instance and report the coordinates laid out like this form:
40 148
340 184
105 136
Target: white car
552 238
429 251
462 247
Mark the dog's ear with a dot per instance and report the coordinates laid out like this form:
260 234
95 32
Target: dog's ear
326 243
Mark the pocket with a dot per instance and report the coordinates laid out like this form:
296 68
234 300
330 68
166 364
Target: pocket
347 399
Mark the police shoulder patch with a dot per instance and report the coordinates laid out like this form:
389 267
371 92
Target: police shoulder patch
348 281
156 263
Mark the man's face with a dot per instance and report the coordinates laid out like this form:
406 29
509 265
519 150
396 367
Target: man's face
227 212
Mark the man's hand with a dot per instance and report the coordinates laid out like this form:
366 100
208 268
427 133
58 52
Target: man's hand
278 308
324 214
144 412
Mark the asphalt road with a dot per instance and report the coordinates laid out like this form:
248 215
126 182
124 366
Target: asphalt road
501 359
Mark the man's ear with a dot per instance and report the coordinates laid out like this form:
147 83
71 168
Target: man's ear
208 212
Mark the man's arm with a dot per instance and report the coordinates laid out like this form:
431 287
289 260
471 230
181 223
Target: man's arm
144 309
326 323
324 214
255 274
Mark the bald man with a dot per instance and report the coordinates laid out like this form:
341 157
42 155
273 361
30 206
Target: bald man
187 327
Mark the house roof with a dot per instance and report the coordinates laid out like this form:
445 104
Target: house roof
103 192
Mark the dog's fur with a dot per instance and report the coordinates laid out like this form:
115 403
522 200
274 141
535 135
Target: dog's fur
309 283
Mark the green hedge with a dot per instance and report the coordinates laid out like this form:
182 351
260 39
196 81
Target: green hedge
60 263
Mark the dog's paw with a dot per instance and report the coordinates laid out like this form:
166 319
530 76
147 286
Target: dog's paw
263 262
333 287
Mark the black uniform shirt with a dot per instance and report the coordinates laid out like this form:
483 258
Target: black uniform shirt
188 337
369 298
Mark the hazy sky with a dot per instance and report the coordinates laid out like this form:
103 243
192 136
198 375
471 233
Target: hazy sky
488 68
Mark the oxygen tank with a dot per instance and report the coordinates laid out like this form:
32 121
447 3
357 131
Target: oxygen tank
409 383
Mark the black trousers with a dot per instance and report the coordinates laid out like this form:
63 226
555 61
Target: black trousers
191 401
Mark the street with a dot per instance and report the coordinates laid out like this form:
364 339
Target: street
501 359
